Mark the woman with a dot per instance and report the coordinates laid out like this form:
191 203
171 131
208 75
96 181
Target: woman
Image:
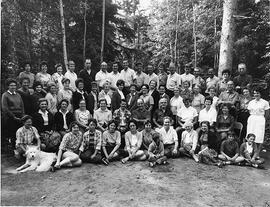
90 149
106 93
43 76
82 116
65 93
209 145
147 136
176 101
154 93
225 122
58 76
26 135
13 111
38 94
133 140
44 122
122 115
212 93
92 98
161 112
111 142
118 95
259 110
27 73
148 99
51 97
69 148
26 93
79 94
186 91
103 115
63 118
162 75
198 99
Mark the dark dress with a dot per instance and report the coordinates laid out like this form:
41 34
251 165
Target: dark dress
59 120
116 101
76 97
27 101
156 96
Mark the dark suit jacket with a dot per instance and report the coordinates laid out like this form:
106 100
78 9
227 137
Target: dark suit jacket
76 97
156 98
133 104
116 100
59 120
38 122
87 79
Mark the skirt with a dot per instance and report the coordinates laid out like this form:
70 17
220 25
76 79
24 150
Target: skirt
256 125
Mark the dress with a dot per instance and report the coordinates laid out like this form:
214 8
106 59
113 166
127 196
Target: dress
256 120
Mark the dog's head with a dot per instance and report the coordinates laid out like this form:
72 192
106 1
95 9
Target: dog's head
32 152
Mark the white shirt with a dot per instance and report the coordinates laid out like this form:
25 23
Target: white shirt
249 148
64 116
169 137
128 76
187 114
140 79
72 76
57 78
121 94
211 82
102 77
176 104
154 77
114 77
45 117
210 115
190 138
258 107
173 81
188 77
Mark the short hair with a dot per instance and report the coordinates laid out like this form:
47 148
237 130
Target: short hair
209 98
162 85
133 85
138 63
187 82
258 89
102 99
82 100
64 100
51 85
207 123
10 80
226 71
153 81
225 105
212 87
71 61
74 123
167 117
113 121
64 80
27 63
123 101
197 68
79 80
134 122
42 100
243 65
145 85
250 135
58 65
26 117
37 83
147 122
120 82
161 65
92 120
186 99
24 78
43 63
231 132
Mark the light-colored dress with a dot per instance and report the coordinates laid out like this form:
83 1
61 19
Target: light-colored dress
198 102
256 120
83 116
65 94
44 78
52 102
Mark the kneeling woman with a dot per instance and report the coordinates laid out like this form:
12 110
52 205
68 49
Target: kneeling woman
69 148
111 142
91 145
133 139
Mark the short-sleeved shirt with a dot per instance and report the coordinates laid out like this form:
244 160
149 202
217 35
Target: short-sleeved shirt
148 101
110 139
102 116
147 138
122 116
71 142
156 149
227 96
168 137
258 107
91 138
162 78
114 77
26 136
176 104
210 115
72 76
151 77
102 77
128 76
187 114
230 148
187 77
160 114
57 78
44 78
140 79
173 81
197 102
212 82
223 123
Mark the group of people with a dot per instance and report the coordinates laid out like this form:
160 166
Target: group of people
132 115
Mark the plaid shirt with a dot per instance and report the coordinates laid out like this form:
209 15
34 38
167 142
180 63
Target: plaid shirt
122 116
26 136
91 139
71 142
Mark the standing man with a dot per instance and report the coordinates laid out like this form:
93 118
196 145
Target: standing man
140 76
212 80
127 75
199 81
151 75
243 79
187 76
173 80
87 74
71 75
114 75
102 76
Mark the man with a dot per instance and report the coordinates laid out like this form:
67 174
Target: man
27 73
199 81
140 76
173 80
87 74
243 79
187 76
114 76
223 82
151 75
161 112
141 114
212 80
102 76
230 96
162 75
71 75
132 98
127 75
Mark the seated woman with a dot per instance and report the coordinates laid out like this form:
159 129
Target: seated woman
90 149
229 150
38 93
106 94
161 112
156 152
198 99
208 113
250 153
176 101
141 115
69 148
122 115
189 142
63 118
169 138
225 122
147 135
26 135
43 120
209 145
111 142
133 140
82 116
147 99
212 93
103 115
186 91
51 97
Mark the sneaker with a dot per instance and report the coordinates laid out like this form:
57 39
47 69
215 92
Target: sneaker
220 164
151 164
105 161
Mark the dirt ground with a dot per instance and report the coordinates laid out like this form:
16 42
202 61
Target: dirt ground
181 183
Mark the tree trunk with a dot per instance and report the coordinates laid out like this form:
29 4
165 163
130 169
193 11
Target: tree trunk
84 34
176 32
103 31
194 33
64 34
227 36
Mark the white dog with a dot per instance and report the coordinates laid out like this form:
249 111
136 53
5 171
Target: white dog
37 160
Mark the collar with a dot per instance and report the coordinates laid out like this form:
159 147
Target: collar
14 93
40 112
63 112
80 92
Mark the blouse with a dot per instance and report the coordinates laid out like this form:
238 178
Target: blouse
258 107
65 94
111 138
198 102
43 78
83 116
52 102
133 140
148 101
71 142
147 138
91 139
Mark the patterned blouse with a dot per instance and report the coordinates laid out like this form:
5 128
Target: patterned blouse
26 136
91 138
71 142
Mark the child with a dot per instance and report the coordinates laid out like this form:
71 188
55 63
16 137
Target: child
249 152
189 142
156 152
229 150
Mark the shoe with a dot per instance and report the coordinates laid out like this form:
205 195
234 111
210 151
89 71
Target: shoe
220 164
105 161
151 164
